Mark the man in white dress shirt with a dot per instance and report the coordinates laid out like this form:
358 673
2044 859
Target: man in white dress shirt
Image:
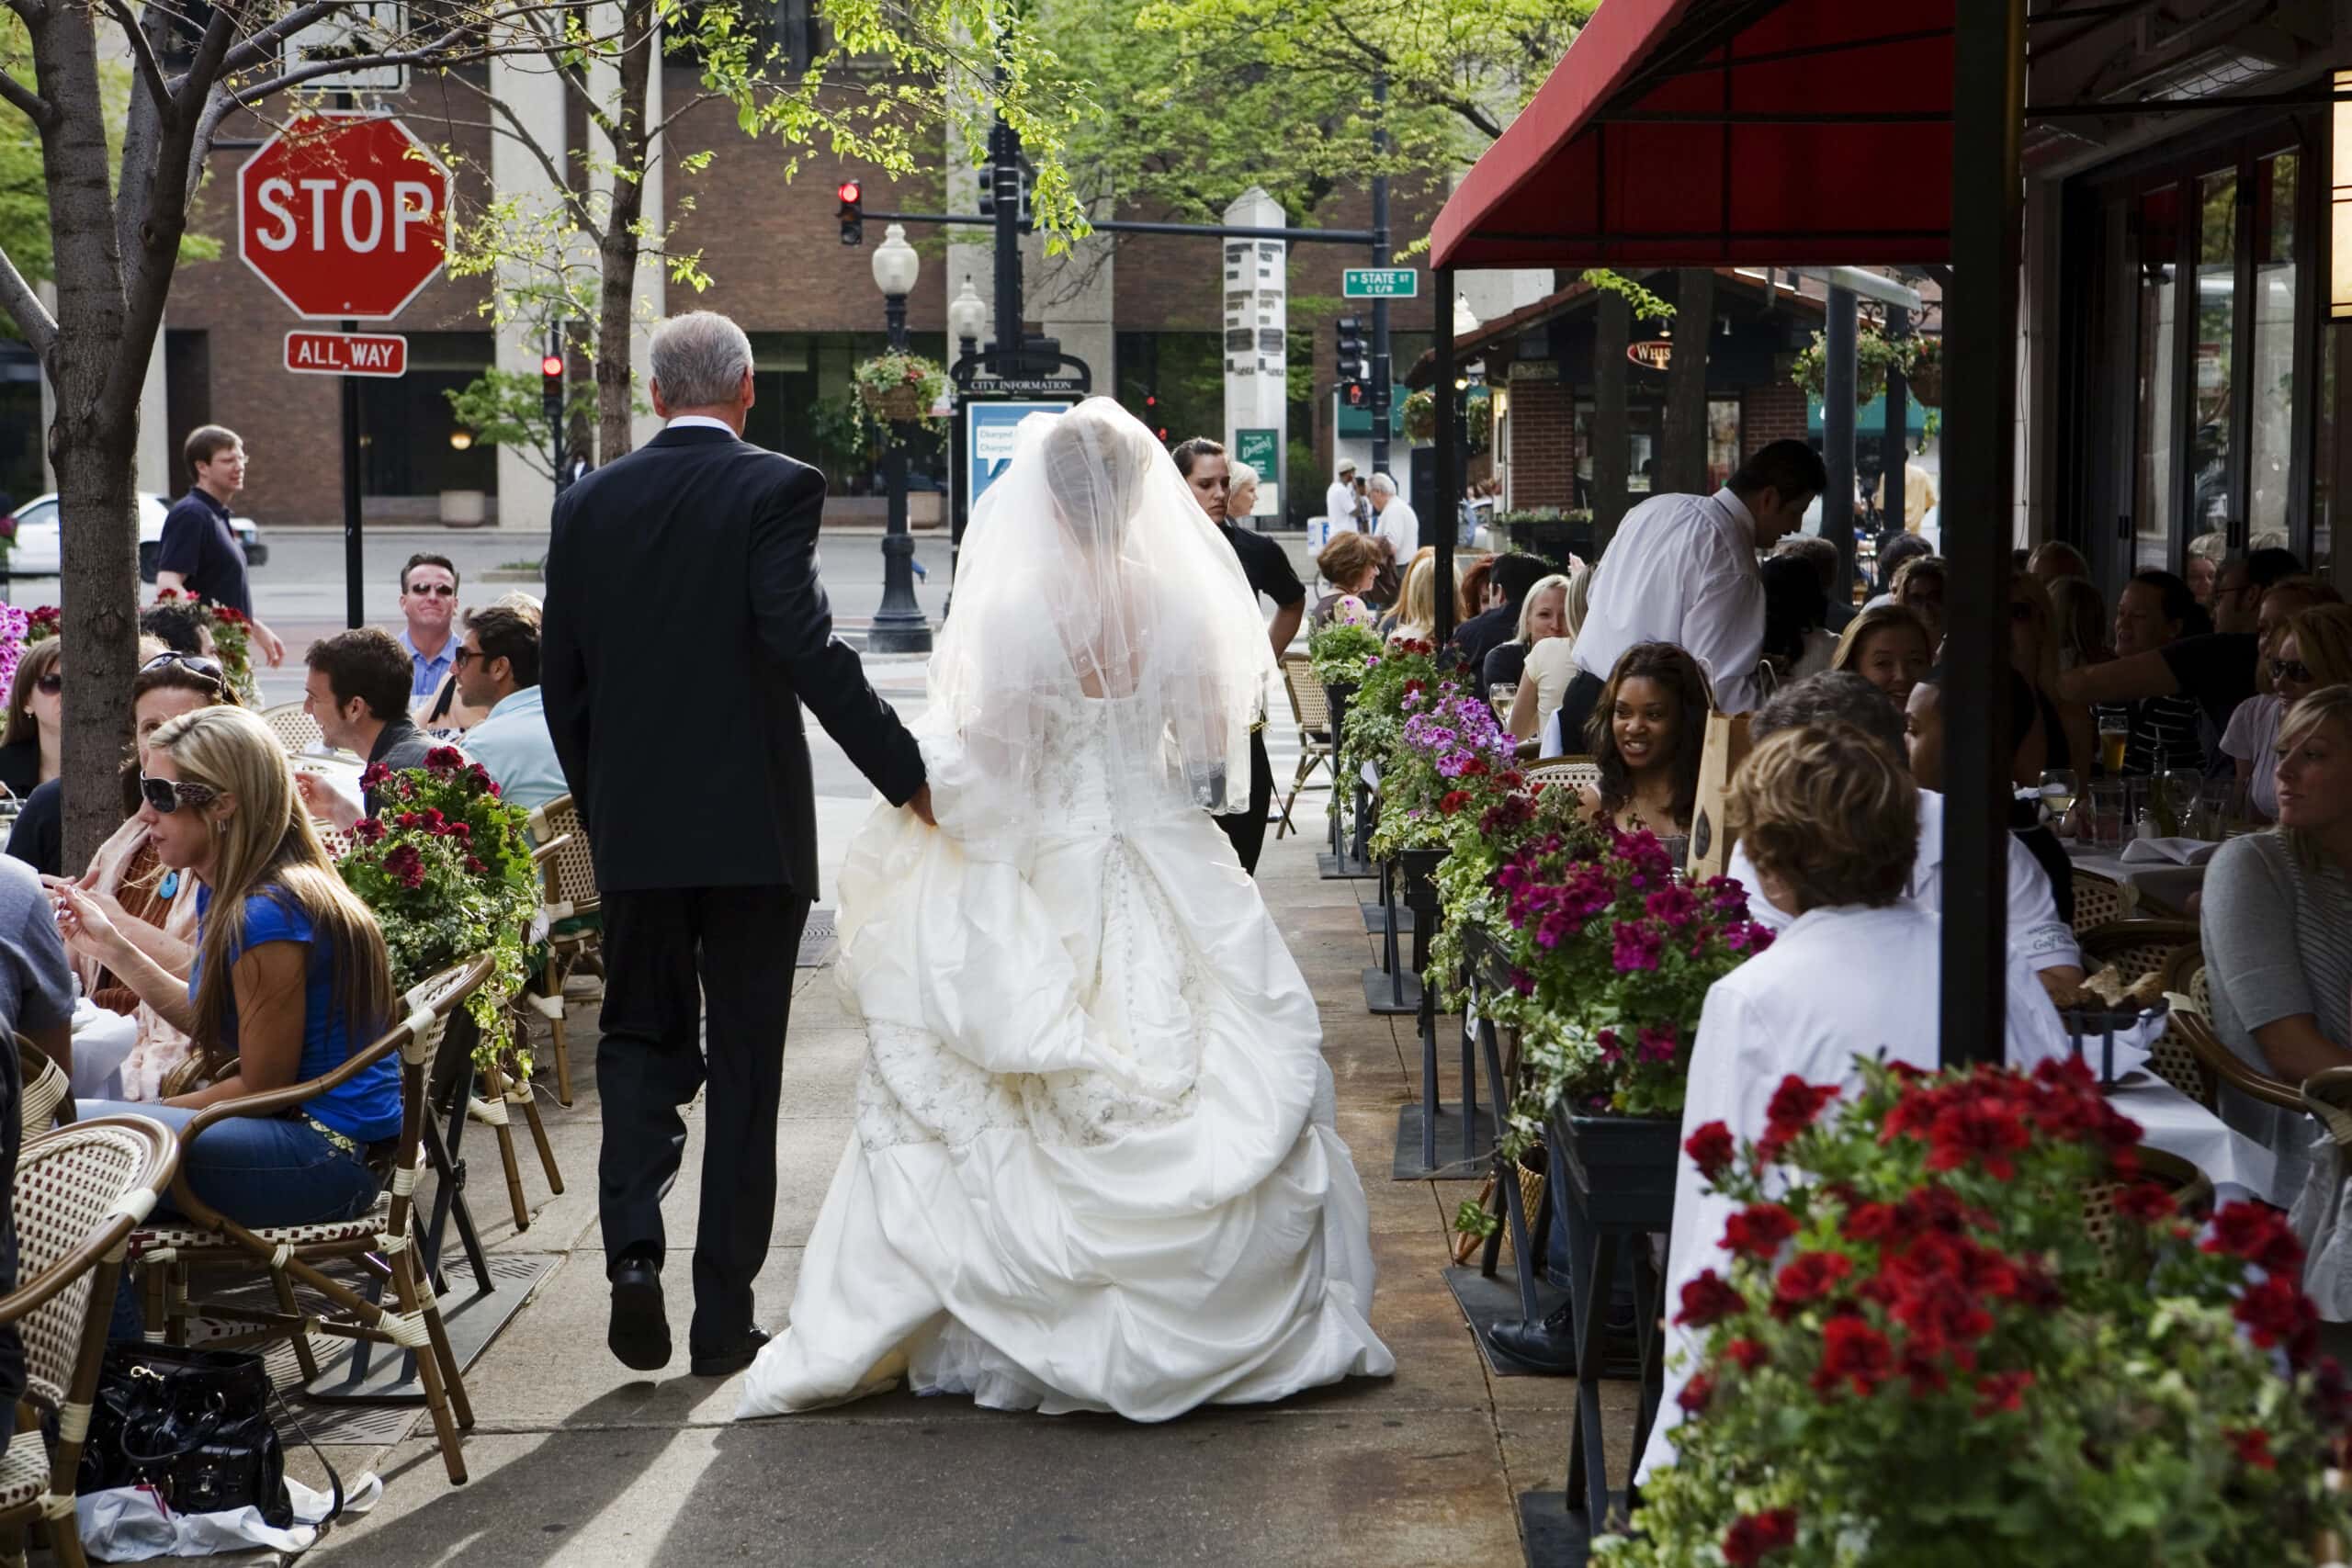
1832 819
1681 568
2038 939
1339 501
1399 524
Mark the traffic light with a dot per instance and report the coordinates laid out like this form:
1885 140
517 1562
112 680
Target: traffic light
551 387
851 212
1014 179
1355 364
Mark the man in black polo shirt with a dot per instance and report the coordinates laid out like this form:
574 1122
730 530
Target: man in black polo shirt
199 553
1202 462
357 691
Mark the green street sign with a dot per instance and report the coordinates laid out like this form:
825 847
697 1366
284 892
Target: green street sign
1262 449
1380 283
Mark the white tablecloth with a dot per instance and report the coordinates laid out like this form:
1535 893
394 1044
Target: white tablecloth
2168 885
340 769
2170 1121
102 1043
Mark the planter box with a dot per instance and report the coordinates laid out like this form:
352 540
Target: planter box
1416 871
1554 540
1620 1168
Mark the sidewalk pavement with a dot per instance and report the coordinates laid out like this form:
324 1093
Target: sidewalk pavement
575 1461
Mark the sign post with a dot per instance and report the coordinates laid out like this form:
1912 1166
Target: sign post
346 216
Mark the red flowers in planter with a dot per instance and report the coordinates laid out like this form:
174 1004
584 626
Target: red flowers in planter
1754 1537
1711 1148
1708 1300
1758 1230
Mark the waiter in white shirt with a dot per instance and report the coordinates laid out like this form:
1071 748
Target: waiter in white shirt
1399 524
1339 501
1682 569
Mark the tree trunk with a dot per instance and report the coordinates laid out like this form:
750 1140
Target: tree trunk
97 373
1612 330
617 294
1682 462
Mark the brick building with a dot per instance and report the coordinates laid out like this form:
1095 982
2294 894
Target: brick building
1145 312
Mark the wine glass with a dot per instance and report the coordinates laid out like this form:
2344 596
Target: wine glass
2059 788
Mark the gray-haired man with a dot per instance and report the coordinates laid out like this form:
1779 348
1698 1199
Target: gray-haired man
690 768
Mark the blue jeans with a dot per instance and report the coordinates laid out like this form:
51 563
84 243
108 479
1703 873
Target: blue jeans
259 1171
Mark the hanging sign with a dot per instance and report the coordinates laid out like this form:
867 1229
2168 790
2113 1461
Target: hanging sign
1652 353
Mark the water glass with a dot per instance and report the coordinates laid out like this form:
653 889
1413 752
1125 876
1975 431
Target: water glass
2110 813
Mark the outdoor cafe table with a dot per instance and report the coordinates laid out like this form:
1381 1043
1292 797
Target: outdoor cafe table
2161 883
2177 1126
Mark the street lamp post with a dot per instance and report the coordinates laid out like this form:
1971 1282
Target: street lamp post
899 625
967 324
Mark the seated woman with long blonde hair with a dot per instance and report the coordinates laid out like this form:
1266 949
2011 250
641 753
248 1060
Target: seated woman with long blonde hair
286 979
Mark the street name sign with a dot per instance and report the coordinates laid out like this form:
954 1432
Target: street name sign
354 30
343 215
347 353
1380 283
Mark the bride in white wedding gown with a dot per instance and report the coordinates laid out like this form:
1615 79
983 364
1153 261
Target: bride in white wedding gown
1093 1166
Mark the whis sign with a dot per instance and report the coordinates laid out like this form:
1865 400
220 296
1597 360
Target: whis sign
347 353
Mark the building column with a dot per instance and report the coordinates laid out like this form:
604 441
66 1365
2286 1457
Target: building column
535 92
1257 343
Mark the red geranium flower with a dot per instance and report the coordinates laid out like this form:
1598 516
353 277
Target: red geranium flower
2277 1313
1808 1278
2253 1446
368 830
2001 1391
2145 1201
1852 1352
1870 1221
1711 1150
1708 1300
1453 800
2258 1234
1758 1230
1795 1104
1754 1537
1747 1354
1696 1394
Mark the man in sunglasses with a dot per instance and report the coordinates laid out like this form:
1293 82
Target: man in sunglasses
429 605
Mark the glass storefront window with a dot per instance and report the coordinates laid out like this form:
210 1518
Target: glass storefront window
2273 431
2212 435
2152 455
1643 422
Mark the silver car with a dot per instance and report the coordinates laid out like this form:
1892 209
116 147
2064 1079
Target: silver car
36 551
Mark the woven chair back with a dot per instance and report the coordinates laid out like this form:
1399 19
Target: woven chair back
296 730
571 874
47 1092
1308 703
2100 900
1576 772
70 1184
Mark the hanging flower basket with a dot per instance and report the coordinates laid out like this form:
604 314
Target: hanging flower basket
900 386
1420 415
1927 373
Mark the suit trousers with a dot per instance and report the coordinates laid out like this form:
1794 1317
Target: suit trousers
1247 829
670 953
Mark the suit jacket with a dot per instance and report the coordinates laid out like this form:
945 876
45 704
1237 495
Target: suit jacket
684 629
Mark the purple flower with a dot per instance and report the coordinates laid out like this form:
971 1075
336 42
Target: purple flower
1746 936
1637 946
1658 1044
1675 904
1610 1054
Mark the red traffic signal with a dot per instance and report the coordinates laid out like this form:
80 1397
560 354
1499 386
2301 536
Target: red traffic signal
851 212
848 191
551 365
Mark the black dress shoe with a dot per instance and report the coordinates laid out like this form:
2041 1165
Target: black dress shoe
730 1358
640 1334
1548 1346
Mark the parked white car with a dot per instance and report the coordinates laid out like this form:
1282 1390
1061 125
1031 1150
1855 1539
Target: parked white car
36 553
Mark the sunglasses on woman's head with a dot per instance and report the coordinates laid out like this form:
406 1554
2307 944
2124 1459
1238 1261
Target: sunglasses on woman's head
2290 669
166 795
194 663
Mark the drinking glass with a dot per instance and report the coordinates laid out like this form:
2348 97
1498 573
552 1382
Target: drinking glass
2114 735
1502 693
2111 822
2059 788
2177 793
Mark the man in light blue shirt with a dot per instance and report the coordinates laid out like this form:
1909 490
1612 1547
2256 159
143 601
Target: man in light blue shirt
428 603
498 668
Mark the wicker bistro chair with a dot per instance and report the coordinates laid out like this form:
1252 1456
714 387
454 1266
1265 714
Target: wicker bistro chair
2101 900
1576 772
1317 746
78 1193
48 1094
2138 948
296 730
573 906
206 1237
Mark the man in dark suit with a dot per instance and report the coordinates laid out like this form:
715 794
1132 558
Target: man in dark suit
684 629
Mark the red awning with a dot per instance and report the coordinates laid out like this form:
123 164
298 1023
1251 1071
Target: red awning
1722 132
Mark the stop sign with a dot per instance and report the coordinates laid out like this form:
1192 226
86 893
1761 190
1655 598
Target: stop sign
343 215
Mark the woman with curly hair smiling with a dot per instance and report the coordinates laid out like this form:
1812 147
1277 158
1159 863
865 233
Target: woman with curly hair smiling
1648 732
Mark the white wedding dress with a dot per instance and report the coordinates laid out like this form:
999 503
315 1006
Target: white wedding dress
1093 1166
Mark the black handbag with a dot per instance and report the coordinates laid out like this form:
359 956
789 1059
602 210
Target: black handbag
195 1424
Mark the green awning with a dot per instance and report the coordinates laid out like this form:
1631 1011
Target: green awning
1871 418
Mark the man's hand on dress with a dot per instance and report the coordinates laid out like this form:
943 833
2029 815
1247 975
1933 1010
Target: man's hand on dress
920 804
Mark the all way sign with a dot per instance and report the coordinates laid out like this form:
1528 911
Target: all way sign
347 354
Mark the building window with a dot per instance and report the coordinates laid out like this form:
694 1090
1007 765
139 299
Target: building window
805 406
405 423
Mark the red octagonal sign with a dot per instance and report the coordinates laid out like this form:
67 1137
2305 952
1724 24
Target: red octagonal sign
345 215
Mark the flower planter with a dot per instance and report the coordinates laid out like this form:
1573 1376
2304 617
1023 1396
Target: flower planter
1417 874
1927 382
1620 1168
899 403
1555 539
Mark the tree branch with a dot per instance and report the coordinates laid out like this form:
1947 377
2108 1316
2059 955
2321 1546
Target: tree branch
31 103
441 52
142 50
515 131
24 307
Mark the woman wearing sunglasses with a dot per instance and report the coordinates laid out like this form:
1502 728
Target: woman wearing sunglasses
29 747
152 905
2306 646
285 978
